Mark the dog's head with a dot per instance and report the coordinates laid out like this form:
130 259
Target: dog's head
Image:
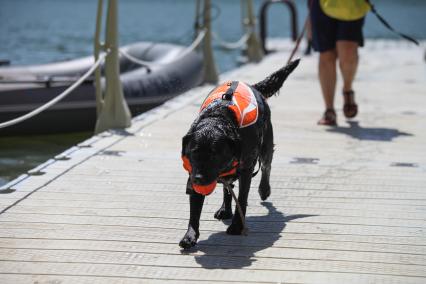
209 153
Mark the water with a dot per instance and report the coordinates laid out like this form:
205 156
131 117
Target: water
18 154
42 31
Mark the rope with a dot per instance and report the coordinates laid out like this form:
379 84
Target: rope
184 53
232 45
135 60
58 98
194 44
48 81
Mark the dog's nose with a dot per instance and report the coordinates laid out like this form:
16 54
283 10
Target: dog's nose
197 178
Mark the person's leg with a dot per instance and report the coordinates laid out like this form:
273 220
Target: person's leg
347 52
324 32
349 39
327 76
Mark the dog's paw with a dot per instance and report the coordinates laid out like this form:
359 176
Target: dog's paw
264 191
235 229
223 214
190 239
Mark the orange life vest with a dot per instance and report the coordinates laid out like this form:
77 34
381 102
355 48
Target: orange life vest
244 103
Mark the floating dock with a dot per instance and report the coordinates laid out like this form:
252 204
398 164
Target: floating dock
348 203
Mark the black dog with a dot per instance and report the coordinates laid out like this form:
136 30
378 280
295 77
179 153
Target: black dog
232 132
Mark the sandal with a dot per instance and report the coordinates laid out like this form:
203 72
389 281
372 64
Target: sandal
350 108
328 118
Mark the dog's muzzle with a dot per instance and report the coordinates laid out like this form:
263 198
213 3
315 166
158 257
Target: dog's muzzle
209 188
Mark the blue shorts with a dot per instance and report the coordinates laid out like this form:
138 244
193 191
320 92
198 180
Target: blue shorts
326 30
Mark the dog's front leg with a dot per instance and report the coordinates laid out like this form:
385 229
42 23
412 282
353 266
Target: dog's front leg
236 228
196 202
225 211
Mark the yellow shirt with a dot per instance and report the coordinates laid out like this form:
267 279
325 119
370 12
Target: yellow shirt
345 10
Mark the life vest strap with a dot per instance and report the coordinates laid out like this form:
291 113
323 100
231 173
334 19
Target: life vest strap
231 90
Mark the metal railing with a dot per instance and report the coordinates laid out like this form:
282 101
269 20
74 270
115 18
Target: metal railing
263 20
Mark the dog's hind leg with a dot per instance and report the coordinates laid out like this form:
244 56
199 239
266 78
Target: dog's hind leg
266 154
225 211
190 238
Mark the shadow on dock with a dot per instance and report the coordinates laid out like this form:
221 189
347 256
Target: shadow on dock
222 251
372 134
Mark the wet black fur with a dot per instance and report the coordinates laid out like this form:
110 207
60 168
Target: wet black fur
214 140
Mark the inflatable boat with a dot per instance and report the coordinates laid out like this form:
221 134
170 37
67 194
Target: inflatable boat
23 89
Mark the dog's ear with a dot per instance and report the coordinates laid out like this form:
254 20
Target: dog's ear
185 141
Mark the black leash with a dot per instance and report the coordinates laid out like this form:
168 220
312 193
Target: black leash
229 188
258 169
387 25
299 38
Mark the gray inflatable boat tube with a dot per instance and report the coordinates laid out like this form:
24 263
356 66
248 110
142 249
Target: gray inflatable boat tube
23 88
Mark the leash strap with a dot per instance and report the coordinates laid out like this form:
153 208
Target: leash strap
240 211
305 26
299 39
256 172
387 25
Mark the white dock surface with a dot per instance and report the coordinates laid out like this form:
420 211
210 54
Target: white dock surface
348 204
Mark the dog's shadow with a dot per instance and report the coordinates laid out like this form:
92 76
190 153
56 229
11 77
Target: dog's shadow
229 252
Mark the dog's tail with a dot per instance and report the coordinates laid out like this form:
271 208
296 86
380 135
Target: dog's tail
272 84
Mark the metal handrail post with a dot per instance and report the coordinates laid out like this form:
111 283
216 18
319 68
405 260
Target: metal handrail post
97 50
210 70
115 113
254 47
263 20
